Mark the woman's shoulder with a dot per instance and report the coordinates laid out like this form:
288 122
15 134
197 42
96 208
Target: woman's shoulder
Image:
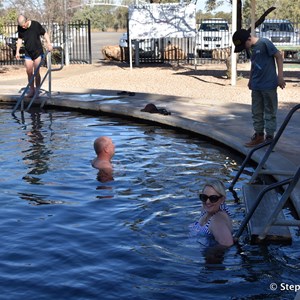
221 217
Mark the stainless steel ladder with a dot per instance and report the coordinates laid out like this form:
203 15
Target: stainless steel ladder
289 184
47 56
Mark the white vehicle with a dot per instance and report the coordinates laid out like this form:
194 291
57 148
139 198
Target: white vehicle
280 32
212 34
283 35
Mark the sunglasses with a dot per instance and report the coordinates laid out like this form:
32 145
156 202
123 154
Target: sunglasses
212 198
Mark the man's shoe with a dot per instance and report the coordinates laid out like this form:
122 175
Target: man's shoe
257 138
30 94
269 137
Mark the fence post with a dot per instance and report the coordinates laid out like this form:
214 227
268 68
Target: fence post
66 43
90 41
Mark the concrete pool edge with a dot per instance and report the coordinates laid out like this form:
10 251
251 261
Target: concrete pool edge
212 128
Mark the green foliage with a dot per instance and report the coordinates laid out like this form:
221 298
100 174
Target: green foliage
200 16
288 9
10 15
121 16
103 17
210 5
285 9
1 26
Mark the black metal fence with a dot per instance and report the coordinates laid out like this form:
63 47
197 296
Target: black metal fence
172 50
160 50
74 38
285 35
212 43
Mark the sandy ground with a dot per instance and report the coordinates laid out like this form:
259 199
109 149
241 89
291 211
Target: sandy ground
207 83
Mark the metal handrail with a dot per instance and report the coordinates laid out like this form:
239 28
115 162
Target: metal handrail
38 88
272 144
49 63
48 73
257 202
31 80
246 160
290 181
272 219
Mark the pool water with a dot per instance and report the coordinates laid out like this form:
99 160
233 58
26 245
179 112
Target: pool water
66 235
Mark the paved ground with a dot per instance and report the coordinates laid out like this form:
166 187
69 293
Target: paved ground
225 122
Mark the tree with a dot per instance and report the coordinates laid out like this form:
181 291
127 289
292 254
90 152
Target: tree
30 8
121 17
102 17
288 9
211 5
285 9
54 11
10 16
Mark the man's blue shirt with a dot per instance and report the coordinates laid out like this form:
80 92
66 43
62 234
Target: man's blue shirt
263 67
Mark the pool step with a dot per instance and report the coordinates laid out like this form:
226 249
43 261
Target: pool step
276 234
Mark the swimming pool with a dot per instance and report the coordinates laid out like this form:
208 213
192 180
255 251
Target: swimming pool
65 235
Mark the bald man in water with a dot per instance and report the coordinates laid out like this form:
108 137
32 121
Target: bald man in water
105 150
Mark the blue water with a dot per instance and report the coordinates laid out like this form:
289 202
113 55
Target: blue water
65 235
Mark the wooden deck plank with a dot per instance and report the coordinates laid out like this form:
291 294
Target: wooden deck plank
276 234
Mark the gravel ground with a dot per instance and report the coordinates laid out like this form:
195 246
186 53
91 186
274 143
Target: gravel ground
208 83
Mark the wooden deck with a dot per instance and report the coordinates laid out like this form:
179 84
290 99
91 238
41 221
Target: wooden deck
276 234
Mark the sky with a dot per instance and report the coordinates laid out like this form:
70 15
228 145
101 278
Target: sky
226 7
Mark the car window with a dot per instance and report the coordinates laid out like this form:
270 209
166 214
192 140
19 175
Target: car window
271 27
277 27
214 26
286 27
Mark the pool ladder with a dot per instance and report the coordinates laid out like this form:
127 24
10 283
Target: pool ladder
47 57
261 195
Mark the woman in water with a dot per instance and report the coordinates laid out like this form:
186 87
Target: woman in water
214 221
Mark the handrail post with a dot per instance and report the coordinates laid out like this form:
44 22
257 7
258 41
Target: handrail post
249 155
49 66
52 70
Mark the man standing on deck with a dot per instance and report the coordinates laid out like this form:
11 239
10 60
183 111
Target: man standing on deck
263 82
30 31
